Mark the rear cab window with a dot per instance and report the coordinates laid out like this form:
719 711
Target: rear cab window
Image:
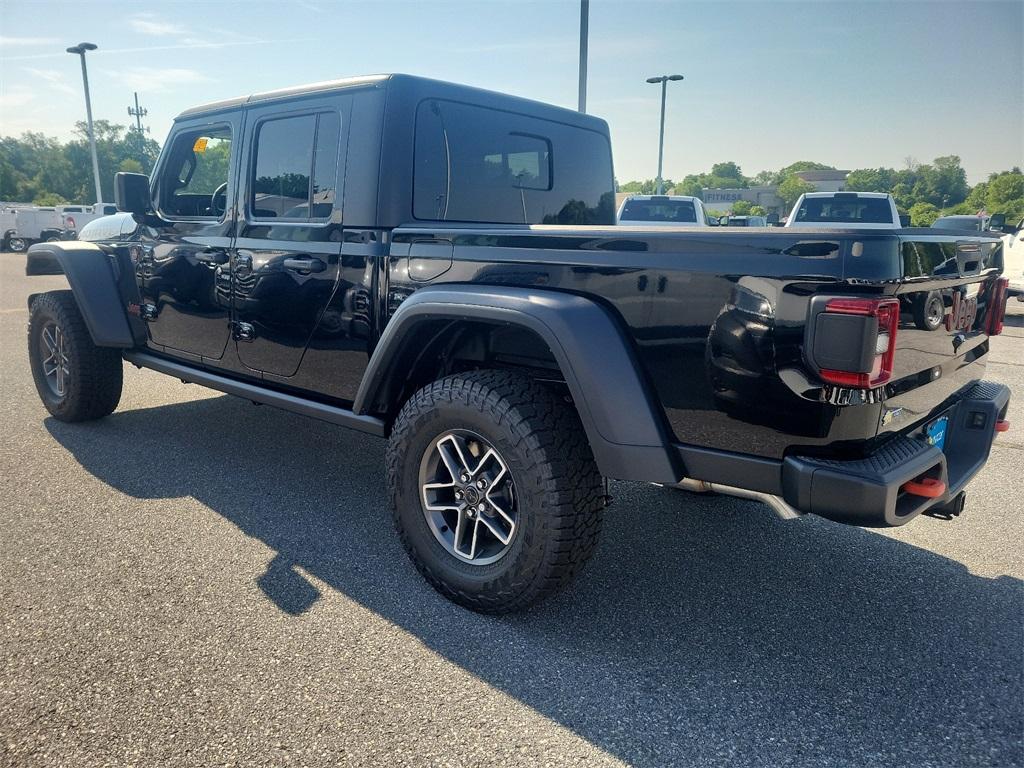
852 209
668 211
970 224
478 165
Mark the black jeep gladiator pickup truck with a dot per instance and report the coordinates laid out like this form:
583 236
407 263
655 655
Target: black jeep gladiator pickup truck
439 265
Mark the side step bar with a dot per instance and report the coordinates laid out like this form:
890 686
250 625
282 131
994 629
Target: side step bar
330 413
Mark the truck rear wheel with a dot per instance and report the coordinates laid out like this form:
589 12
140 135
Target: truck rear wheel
495 492
76 380
929 311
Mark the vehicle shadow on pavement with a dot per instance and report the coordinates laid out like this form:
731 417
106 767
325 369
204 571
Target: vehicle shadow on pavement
704 630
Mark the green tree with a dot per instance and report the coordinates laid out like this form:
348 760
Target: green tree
34 166
976 199
1005 193
758 210
871 180
923 214
730 171
49 198
130 165
791 188
742 207
646 187
800 165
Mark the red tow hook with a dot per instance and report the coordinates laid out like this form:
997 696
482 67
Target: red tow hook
1002 426
929 487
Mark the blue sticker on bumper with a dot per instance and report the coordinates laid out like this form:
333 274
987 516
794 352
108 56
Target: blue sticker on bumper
935 432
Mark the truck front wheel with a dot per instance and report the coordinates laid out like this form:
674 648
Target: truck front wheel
76 380
495 492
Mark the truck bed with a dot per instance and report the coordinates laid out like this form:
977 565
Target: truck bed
718 320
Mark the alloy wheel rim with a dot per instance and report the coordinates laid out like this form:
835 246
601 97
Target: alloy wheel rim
468 497
56 367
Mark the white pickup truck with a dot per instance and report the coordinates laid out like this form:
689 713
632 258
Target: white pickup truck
842 210
77 216
1013 259
662 211
21 227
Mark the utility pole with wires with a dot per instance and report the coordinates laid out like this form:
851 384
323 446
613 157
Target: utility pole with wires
140 131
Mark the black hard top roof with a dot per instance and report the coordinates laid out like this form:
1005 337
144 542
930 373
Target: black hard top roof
408 87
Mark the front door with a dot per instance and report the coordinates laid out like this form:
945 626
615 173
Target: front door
286 259
183 278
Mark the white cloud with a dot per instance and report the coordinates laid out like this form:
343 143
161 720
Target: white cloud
18 96
148 24
52 78
14 41
157 80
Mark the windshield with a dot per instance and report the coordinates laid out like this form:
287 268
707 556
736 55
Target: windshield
972 222
670 211
870 210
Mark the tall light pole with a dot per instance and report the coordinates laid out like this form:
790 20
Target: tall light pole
80 49
584 35
663 79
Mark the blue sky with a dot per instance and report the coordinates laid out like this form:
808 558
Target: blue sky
853 84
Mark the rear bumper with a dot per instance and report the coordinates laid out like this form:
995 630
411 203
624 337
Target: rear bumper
869 491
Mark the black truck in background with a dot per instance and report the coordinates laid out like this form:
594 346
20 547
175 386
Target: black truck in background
439 265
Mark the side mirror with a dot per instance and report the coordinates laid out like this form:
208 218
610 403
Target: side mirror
772 220
904 220
723 221
997 222
131 193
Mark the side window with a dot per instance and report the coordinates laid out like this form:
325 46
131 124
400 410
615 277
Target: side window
294 176
475 164
194 182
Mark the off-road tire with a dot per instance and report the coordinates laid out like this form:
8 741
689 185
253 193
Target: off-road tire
93 386
17 245
560 491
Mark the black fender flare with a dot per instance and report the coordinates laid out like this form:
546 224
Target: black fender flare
621 414
91 277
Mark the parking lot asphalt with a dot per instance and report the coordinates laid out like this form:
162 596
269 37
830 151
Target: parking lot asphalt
197 581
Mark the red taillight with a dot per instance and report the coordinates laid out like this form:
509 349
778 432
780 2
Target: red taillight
997 306
887 312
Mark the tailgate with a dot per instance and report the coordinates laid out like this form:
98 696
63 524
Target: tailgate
948 294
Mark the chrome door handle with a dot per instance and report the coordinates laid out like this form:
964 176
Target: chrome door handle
304 264
213 256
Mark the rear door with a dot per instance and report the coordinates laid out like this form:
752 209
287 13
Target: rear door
287 257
